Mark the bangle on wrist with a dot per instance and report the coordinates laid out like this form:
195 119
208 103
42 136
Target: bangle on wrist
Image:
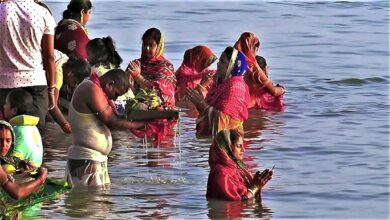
253 190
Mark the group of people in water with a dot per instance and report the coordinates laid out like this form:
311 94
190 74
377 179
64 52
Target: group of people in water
50 61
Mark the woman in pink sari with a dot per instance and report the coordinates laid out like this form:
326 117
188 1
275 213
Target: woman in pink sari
193 70
71 36
153 72
264 94
229 179
226 104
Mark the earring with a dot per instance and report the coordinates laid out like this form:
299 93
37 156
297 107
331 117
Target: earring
82 19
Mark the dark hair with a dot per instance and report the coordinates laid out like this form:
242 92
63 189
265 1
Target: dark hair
119 77
234 136
79 67
22 101
261 62
103 51
229 52
153 33
74 8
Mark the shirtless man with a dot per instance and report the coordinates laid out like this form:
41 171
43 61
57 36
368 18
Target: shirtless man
90 115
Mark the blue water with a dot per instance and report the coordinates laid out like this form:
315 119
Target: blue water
330 147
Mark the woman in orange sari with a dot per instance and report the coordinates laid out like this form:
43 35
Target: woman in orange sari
229 179
226 104
193 70
71 36
260 86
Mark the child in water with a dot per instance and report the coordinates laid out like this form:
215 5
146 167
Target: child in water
28 142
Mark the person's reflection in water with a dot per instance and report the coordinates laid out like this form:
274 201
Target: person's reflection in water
88 204
219 209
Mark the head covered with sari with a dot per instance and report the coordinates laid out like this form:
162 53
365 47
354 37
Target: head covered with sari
224 141
246 44
199 57
157 36
231 94
229 177
155 68
237 64
194 69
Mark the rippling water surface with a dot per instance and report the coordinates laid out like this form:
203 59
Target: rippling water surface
330 146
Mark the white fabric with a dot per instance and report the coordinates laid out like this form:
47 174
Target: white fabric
22 26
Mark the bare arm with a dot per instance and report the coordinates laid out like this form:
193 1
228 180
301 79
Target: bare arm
98 103
19 191
49 65
58 116
134 71
267 83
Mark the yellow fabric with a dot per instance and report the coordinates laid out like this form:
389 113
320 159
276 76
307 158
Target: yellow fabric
227 122
24 120
101 69
160 46
9 169
60 59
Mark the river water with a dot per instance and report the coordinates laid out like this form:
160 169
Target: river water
330 147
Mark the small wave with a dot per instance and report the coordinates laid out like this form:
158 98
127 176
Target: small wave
154 180
356 81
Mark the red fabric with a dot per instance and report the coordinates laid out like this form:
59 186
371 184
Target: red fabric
226 181
260 98
95 79
159 71
189 78
71 39
264 100
158 129
193 69
246 45
231 97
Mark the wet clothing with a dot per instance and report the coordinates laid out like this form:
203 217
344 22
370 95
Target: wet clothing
91 142
260 97
87 173
160 73
228 179
228 100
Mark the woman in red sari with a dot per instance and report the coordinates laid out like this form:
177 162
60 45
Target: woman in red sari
194 69
226 104
71 36
152 72
229 178
262 90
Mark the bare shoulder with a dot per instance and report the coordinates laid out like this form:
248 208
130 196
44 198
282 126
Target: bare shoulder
88 97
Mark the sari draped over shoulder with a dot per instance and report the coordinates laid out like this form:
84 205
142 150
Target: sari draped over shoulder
260 97
229 178
194 69
159 71
71 38
228 101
